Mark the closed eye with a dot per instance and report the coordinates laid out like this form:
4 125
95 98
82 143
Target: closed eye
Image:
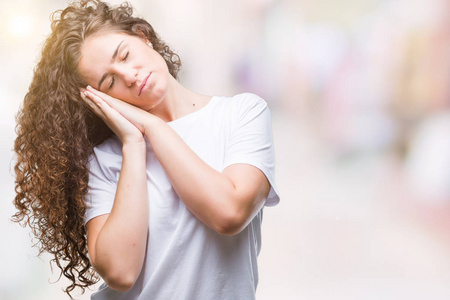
113 78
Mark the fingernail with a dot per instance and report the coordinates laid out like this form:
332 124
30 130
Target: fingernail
89 87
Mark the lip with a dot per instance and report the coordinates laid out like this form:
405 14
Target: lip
144 83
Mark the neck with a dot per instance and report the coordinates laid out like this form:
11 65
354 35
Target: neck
178 102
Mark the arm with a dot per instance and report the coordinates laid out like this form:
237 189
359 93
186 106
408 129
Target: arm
117 241
225 201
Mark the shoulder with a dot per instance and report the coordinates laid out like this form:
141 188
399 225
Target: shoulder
112 146
241 104
245 99
108 153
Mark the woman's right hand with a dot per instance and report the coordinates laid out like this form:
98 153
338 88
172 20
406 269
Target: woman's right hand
117 241
124 129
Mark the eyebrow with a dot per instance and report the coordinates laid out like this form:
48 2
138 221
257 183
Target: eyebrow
112 59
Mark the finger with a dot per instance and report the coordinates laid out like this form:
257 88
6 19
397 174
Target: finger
105 97
130 112
98 101
112 118
92 104
106 110
86 99
117 104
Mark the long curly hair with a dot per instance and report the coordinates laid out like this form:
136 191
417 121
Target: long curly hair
56 133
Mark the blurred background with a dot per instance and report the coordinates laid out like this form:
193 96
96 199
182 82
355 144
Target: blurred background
360 104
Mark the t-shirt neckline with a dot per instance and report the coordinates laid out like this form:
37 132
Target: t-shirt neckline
194 113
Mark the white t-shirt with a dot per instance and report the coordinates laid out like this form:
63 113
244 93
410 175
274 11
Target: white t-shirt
186 259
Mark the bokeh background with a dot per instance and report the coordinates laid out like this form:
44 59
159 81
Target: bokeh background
360 99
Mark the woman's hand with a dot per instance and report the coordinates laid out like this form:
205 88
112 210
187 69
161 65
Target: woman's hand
229 200
117 241
106 108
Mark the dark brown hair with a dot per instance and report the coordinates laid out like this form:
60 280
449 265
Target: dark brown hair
56 133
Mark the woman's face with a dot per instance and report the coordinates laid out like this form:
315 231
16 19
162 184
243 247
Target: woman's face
124 67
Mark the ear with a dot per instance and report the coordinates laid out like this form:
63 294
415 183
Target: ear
141 34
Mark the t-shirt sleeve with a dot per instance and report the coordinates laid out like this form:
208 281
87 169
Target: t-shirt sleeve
251 140
103 167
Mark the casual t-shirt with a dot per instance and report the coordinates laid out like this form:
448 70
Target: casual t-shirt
186 259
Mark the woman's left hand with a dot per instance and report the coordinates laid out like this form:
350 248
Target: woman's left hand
229 200
135 115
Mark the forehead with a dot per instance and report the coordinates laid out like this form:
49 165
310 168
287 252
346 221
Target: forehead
96 54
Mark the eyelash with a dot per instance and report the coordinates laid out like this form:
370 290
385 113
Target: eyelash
114 77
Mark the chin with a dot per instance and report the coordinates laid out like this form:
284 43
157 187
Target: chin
158 94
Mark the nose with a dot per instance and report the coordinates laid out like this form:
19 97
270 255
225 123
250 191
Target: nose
128 74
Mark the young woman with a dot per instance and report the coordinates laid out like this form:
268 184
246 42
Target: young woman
125 173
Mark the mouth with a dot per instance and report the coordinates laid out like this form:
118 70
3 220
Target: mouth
144 83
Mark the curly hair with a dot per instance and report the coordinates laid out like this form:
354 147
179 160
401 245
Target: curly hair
56 133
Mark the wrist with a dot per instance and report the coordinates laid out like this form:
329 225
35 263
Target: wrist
134 147
151 124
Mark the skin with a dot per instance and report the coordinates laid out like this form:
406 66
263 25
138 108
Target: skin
230 200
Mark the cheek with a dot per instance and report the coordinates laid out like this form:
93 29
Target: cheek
159 83
122 94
